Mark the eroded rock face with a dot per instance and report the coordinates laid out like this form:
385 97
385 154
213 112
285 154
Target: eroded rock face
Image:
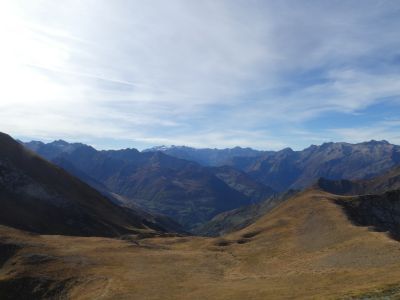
7 250
382 212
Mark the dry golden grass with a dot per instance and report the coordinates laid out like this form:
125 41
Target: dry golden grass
304 249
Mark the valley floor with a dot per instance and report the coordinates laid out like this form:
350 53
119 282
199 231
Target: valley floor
304 249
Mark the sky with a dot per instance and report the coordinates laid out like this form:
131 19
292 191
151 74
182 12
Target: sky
261 74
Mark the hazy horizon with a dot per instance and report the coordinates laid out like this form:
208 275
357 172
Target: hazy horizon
218 148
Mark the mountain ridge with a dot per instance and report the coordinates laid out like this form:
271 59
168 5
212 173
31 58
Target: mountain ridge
288 169
210 157
295 169
379 184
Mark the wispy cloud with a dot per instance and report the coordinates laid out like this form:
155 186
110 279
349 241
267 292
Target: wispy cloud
384 130
202 73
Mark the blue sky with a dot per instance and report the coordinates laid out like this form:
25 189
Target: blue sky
264 74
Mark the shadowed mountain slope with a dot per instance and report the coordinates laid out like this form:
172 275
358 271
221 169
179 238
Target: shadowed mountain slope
38 196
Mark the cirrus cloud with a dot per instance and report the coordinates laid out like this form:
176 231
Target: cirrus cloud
208 73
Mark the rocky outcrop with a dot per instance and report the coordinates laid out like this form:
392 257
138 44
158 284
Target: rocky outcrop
381 212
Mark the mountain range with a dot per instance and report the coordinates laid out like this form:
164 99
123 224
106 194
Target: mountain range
183 190
162 180
78 223
207 156
289 169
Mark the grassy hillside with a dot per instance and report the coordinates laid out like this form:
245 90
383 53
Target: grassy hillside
306 248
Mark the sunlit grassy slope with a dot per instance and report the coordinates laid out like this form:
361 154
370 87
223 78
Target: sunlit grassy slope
306 248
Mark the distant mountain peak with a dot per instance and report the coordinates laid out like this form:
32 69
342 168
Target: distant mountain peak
287 149
158 148
375 142
59 142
